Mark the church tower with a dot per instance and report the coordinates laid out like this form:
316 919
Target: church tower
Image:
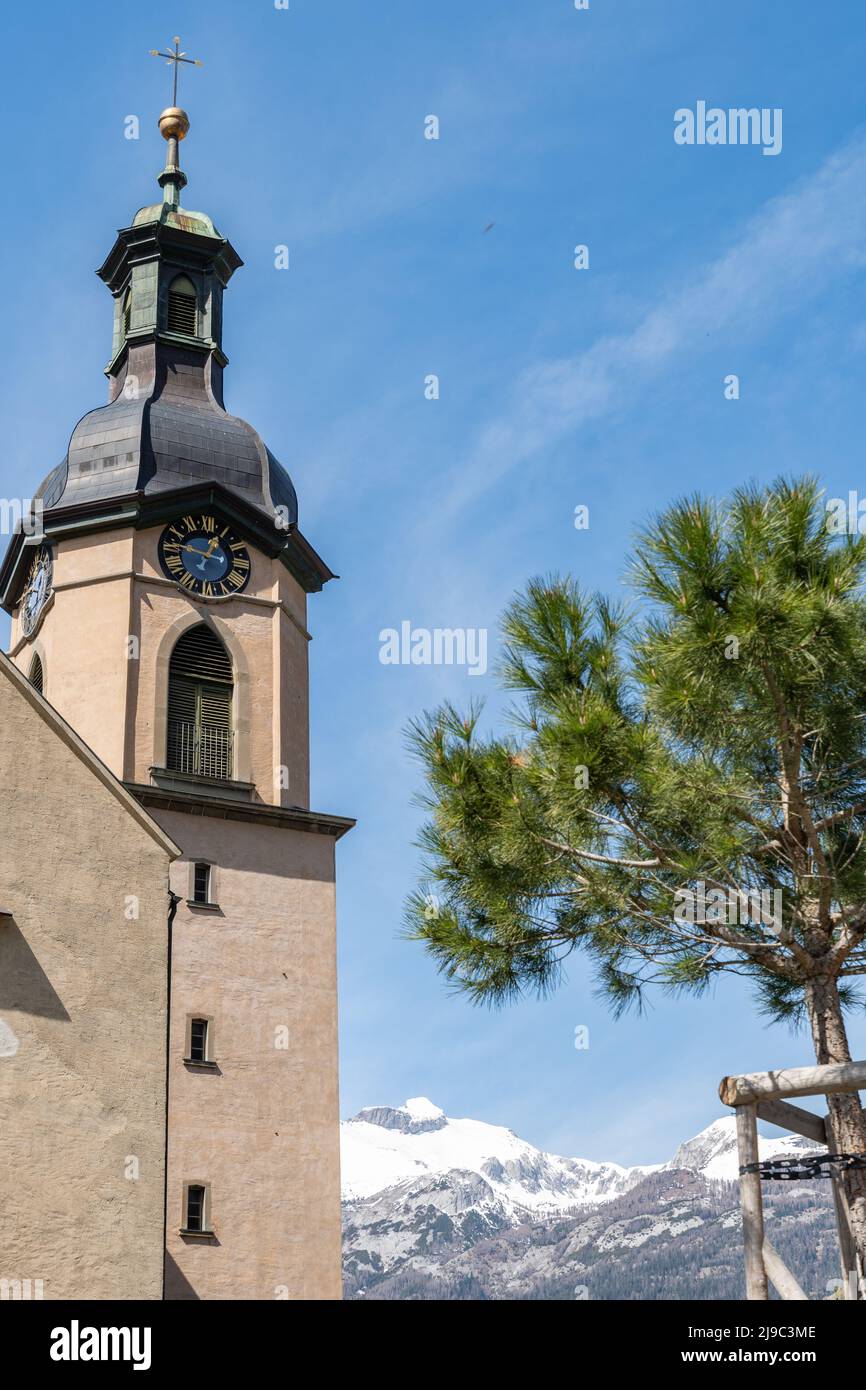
159 602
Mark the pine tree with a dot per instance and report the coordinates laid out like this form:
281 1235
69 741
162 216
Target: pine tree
682 790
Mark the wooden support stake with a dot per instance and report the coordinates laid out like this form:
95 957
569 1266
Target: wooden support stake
847 1248
783 1280
750 1203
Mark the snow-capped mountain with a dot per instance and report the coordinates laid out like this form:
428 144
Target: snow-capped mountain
386 1146
436 1207
713 1152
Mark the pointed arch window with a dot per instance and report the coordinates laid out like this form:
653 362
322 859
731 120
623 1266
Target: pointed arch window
182 306
200 694
37 675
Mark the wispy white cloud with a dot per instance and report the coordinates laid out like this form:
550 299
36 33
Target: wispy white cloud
786 254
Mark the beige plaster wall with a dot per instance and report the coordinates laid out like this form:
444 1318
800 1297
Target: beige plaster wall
82 640
108 590
262 1130
82 1023
291 710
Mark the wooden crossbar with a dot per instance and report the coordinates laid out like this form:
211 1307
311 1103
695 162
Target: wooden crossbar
796 1081
793 1117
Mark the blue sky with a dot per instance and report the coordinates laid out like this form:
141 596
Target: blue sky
602 387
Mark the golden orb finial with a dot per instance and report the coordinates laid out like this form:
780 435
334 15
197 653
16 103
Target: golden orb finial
173 123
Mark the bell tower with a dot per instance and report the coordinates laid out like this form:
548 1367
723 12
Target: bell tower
160 597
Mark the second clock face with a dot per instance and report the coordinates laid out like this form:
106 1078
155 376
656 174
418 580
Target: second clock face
204 557
37 591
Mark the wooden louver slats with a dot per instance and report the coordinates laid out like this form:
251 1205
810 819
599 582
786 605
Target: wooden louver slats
200 706
181 312
201 656
216 705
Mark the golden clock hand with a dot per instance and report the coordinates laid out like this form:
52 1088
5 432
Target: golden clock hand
206 554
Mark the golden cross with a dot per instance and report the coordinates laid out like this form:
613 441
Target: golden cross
175 58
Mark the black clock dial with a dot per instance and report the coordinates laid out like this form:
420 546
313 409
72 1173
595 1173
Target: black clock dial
204 557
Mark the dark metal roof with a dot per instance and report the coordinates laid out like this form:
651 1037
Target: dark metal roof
174 435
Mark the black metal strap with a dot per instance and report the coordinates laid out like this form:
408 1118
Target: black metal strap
809 1166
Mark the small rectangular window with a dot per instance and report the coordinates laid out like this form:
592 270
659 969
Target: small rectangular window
195 1209
201 884
198 1040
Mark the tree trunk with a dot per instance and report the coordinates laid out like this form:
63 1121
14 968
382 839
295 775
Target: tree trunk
846 1116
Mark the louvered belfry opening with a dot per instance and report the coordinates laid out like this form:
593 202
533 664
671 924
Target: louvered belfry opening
182 307
200 690
37 675
127 313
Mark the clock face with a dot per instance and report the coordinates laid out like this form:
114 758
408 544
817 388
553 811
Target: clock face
37 590
204 557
